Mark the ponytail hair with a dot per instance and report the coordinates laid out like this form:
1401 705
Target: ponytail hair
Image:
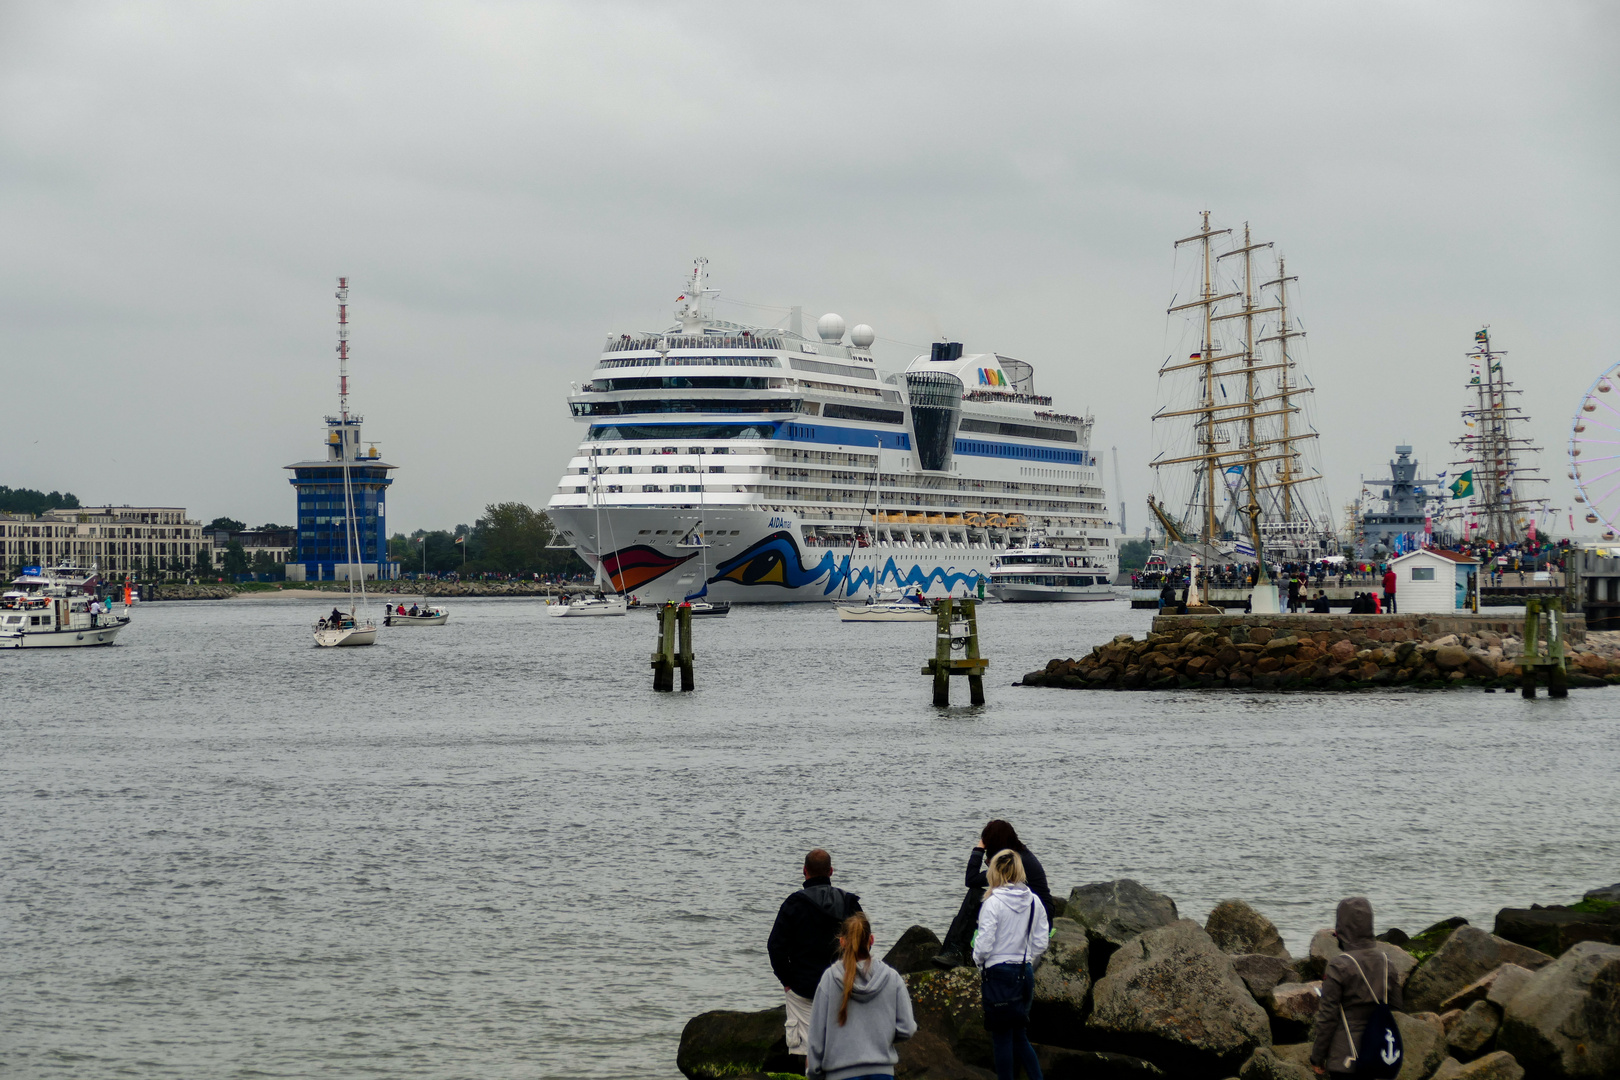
854 945
1006 868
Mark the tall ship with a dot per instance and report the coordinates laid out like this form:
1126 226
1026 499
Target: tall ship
759 465
1237 460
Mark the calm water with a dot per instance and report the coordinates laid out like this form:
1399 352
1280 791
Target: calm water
490 850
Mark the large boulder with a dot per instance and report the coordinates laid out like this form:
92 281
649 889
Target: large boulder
1473 1030
1611 893
1553 930
1290 1062
1497 1066
722 1044
1237 928
1260 973
950 1024
1423 1044
1565 1022
1062 987
1292 1008
1468 954
1508 976
1171 996
915 951
1113 912
1324 947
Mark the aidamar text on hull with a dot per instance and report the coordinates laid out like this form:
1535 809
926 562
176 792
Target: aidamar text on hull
758 465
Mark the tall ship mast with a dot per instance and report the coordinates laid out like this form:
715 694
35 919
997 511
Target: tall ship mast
761 464
1505 493
1236 459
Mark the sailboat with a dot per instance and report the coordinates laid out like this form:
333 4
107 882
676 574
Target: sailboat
607 601
341 629
426 614
1233 431
699 601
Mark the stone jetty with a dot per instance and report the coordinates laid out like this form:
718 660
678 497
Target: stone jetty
1129 988
1325 652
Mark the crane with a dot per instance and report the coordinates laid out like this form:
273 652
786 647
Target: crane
1172 530
1119 489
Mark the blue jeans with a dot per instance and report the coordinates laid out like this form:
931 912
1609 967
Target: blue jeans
1009 1041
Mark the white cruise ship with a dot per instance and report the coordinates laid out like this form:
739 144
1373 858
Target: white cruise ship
757 465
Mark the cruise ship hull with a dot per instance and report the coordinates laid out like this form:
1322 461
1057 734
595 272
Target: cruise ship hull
756 557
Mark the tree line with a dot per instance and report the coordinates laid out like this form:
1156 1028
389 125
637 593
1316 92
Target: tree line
510 538
29 501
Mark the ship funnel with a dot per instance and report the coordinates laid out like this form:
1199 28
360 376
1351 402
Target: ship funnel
946 351
936 409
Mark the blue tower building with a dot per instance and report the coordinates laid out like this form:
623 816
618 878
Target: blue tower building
324 536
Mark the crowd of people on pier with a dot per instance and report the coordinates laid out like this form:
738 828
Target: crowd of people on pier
846 1009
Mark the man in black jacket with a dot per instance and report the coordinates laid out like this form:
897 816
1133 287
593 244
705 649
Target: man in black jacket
805 939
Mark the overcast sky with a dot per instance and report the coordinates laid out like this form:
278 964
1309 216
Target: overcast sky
180 184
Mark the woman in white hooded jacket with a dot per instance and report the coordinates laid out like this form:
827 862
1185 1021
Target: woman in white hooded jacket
1013 933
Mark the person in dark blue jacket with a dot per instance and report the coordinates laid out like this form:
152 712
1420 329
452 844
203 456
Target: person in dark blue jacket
998 835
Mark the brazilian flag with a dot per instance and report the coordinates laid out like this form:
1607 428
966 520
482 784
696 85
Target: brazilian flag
1463 486
1482 336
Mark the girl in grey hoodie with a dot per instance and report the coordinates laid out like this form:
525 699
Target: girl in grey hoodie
861 1010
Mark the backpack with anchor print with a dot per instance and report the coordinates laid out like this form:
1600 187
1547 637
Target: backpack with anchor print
1380 1054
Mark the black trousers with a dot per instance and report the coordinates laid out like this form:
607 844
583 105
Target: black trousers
960 935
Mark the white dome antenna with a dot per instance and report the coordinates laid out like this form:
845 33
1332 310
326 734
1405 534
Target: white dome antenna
831 328
862 336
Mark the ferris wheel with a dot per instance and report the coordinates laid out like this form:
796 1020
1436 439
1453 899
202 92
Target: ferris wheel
1594 452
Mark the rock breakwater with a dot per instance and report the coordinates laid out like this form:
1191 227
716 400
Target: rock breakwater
1324 652
1130 989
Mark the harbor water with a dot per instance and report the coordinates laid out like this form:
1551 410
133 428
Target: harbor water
488 849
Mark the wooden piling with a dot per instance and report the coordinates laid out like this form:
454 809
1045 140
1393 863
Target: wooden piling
684 618
1545 652
663 659
942 667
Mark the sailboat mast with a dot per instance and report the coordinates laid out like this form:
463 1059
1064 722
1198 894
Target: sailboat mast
1286 465
351 529
1207 354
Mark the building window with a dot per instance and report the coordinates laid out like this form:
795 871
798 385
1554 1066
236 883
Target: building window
1422 573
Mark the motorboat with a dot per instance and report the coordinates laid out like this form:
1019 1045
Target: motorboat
889 604
1056 568
579 607
52 609
713 609
426 615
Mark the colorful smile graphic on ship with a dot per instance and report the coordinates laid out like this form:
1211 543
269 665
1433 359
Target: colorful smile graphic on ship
776 560
632 567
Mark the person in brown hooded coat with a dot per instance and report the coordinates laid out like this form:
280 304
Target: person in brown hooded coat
1352 989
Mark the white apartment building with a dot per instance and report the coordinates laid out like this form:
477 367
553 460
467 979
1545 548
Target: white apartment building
116 540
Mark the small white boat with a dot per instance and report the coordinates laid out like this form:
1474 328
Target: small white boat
589 606
50 609
711 609
889 604
435 617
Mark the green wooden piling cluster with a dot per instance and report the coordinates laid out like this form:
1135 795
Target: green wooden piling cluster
673 622
942 667
1545 651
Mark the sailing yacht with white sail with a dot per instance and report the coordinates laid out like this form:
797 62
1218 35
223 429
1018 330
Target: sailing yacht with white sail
340 628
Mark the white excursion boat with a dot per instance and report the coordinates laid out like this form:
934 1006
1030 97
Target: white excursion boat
811 472
1047 573
338 628
889 604
50 609
589 607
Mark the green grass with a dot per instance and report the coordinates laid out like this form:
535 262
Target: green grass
1594 906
